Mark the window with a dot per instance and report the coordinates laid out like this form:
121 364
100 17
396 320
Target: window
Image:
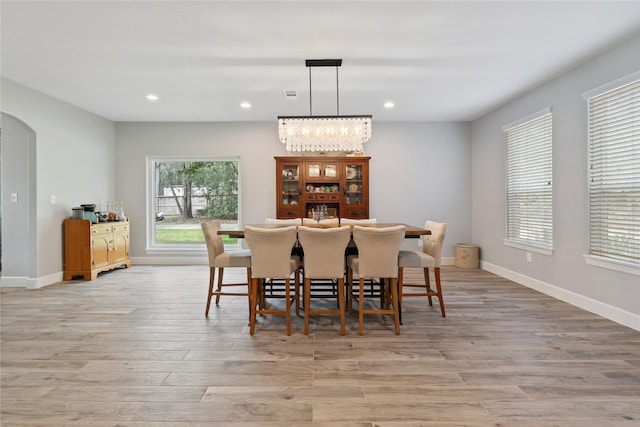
614 173
182 193
528 183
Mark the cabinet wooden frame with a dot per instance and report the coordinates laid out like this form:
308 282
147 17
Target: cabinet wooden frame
340 183
90 249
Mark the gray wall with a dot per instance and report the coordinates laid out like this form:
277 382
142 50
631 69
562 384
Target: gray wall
564 274
418 171
74 160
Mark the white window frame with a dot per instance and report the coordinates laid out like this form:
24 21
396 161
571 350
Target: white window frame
152 248
520 163
597 252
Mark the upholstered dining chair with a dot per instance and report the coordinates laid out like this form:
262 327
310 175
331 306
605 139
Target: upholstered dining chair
324 259
377 258
296 250
326 222
362 221
219 260
271 258
284 221
429 257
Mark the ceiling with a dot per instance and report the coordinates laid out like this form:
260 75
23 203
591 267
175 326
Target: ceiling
437 61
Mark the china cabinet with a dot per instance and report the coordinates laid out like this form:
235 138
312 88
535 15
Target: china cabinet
93 248
339 184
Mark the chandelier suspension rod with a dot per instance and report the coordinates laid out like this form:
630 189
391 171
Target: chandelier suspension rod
337 94
310 94
337 90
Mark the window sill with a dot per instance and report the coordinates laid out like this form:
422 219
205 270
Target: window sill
612 264
529 248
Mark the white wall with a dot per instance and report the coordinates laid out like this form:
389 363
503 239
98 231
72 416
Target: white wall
564 274
75 161
418 171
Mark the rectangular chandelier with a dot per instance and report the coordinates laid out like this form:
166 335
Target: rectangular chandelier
324 133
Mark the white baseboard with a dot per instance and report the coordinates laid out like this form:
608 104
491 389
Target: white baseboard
607 311
30 283
171 260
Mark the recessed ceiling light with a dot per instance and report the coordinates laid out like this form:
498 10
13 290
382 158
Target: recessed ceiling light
389 104
152 97
245 105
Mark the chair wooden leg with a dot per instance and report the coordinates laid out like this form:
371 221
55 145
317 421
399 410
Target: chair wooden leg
394 297
341 303
400 280
287 303
254 302
296 291
249 291
439 289
427 285
219 289
361 306
212 272
307 304
349 295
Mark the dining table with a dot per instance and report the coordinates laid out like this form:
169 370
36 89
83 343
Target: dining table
411 231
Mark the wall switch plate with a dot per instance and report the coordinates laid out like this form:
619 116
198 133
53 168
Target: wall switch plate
52 199
529 257
14 197
419 242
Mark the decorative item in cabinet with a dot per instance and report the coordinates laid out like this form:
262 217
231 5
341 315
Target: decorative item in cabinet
90 249
325 171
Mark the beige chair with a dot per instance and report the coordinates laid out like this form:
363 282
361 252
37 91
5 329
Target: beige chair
296 250
309 222
291 221
364 221
324 259
429 257
219 259
271 258
377 258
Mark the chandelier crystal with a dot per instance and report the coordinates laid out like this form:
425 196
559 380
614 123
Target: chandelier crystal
324 133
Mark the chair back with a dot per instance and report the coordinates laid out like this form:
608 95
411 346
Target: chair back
324 251
350 221
270 251
432 244
291 221
328 221
378 250
215 244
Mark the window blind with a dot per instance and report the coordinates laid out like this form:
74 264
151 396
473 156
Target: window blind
529 184
614 173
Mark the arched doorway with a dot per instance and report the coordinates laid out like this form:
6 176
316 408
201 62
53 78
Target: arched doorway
18 191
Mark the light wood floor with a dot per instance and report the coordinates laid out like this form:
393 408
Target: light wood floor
133 348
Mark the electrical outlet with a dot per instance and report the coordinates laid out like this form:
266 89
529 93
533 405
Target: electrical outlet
529 257
52 199
14 197
419 243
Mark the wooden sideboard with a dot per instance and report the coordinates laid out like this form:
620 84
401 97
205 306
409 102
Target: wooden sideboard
339 183
93 248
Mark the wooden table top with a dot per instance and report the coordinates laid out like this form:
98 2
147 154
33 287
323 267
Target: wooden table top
412 232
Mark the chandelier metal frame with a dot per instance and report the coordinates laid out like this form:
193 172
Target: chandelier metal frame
324 133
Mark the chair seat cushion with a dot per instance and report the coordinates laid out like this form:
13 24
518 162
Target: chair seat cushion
240 258
415 259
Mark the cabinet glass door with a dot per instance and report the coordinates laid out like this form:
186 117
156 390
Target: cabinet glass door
291 191
354 184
